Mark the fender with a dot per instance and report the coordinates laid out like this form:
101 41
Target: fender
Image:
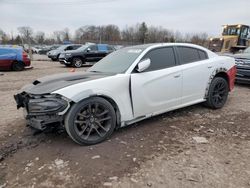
214 73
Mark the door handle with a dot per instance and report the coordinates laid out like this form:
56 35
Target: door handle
209 67
177 76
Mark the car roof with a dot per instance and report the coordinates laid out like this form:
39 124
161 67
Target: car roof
156 45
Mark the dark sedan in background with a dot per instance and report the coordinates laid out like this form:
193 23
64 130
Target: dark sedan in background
86 53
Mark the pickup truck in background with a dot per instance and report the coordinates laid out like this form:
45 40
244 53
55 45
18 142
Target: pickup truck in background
13 58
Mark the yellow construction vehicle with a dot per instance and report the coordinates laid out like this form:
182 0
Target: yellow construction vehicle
233 39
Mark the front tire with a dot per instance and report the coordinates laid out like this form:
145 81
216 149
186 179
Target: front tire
90 121
218 93
77 62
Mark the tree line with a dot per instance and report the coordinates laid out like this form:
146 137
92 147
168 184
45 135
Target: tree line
130 35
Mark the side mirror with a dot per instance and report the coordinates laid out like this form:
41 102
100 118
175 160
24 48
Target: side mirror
143 65
88 49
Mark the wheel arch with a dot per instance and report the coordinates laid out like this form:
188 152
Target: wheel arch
111 101
80 57
116 108
221 72
223 75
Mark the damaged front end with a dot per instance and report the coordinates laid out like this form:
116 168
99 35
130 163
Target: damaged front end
41 111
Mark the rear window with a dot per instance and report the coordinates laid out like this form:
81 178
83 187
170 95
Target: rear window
202 54
102 48
188 55
76 47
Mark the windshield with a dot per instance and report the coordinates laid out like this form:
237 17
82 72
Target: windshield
62 47
82 48
247 50
231 30
118 61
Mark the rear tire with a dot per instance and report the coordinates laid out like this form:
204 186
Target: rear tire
218 93
17 66
90 121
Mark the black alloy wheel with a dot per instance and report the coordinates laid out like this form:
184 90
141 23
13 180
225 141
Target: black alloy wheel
218 93
91 121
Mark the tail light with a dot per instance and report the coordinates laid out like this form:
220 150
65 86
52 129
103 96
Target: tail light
231 75
25 55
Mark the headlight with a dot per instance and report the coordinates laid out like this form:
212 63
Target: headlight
48 104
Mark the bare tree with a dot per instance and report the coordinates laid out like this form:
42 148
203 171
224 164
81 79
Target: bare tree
143 32
40 37
3 37
65 34
26 33
58 36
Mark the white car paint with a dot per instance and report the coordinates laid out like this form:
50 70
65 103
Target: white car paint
153 92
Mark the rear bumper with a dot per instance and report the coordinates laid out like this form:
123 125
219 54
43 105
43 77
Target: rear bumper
27 62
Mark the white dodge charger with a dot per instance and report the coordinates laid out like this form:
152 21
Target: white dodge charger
127 86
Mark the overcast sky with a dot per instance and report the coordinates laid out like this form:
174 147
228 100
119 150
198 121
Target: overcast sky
187 16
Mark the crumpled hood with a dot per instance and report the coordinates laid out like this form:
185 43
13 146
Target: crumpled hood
48 84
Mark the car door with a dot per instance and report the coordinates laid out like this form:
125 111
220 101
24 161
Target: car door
196 71
158 88
91 53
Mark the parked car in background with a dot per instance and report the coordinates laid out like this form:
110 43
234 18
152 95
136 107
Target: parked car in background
13 58
86 53
244 55
243 66
127 86
35 49
45 49
54 54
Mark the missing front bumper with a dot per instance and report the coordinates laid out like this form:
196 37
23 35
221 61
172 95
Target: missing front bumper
44 122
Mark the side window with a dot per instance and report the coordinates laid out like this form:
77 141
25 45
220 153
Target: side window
110 48
93 48
68 48
161 58
102 48
202 54
75 47
188 55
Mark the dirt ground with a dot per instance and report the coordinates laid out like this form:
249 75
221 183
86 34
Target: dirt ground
190 147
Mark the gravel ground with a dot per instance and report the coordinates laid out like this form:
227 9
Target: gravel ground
190 147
